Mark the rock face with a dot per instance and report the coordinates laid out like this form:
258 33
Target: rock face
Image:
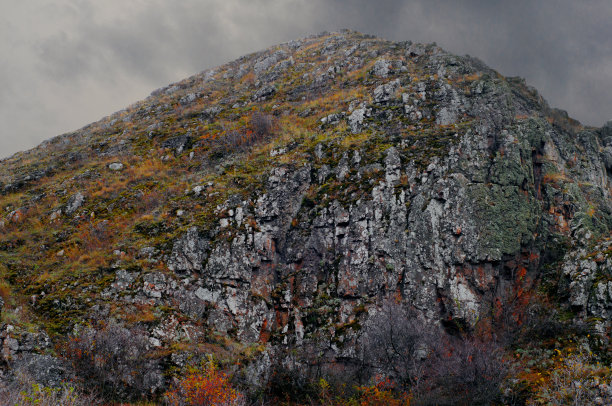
21 351
392 170
588 283
189 252
448 239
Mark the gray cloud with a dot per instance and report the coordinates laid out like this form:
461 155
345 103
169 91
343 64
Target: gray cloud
69 62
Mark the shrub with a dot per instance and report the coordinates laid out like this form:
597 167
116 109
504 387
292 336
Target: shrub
261 125
305 372
294 380
575 380
204 387
382 394
541 322
463 372
259 128
431 365
114 361
25 392
396 343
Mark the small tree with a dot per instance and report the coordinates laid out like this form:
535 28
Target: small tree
463 371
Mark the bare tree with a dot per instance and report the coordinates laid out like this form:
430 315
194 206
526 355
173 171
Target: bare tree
396 343
438 369
463 371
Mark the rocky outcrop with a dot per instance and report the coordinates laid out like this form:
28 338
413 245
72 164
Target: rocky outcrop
23 352
449 239
189 252
587 276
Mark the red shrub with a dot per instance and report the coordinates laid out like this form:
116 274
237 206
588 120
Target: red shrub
206 387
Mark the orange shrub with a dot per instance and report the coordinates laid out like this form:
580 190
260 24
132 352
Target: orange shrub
382 394
206 387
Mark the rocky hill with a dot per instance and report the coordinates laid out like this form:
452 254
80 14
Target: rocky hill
268 211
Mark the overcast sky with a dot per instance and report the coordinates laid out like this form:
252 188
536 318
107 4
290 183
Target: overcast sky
66 63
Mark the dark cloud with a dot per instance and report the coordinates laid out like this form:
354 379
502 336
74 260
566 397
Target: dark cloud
69 62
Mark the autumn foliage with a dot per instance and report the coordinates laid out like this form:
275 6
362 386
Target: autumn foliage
382 394
204 387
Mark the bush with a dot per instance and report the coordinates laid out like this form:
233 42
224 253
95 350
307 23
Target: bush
205 387
25 392
576 380
296 377
261 125
382 394
437 369
114 361
259 128
396 343
463 372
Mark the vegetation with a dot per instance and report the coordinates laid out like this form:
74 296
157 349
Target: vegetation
206 386
26 392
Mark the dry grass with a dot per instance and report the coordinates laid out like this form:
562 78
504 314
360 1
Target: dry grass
556 178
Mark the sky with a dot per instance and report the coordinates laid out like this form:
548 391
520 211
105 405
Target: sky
66 63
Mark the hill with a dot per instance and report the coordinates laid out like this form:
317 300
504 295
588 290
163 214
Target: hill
284 212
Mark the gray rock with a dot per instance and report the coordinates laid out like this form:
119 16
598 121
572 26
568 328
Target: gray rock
43 369
446 116
189 252
178 143
386 92
415 50
115 166
607 156
148 252
284 65
154 284
188 98
197 190
207 295
267 62
381 68
11 344
264 92
356 118
589 286
74 203
606 132
331 119
124 279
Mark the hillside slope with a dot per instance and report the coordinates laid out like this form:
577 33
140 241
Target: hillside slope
278 201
